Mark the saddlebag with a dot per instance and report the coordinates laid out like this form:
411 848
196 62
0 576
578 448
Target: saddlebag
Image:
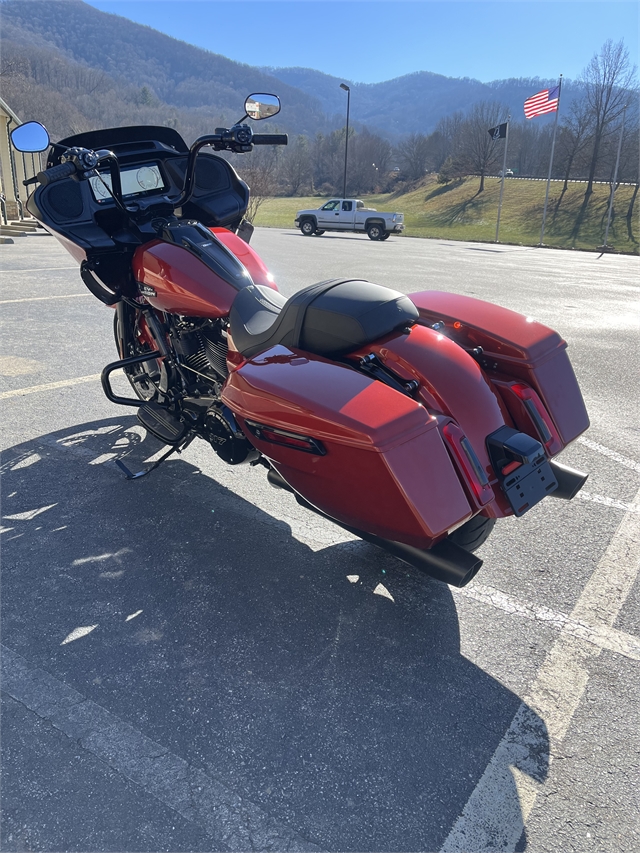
356 449
516 351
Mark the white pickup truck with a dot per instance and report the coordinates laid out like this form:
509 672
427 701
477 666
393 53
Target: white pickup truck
349 214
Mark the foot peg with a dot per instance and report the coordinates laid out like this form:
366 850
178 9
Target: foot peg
162 423
164 426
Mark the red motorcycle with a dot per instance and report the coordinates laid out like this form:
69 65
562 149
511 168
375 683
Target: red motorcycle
412 421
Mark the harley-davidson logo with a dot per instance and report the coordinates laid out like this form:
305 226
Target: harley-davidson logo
147 290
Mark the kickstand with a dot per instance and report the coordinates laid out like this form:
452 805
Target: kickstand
129 475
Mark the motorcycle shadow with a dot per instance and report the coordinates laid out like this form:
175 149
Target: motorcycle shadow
347 715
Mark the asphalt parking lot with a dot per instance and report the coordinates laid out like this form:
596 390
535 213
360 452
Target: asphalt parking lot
192 662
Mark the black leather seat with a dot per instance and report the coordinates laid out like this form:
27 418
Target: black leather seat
330 318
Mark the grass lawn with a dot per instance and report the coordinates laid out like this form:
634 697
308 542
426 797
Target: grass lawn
457 212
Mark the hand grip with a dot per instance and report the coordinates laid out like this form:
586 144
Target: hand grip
270 139
56 173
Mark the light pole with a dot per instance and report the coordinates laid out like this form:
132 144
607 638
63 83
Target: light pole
346 139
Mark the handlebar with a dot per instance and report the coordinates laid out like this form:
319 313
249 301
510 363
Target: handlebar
270 139
83 161
56 173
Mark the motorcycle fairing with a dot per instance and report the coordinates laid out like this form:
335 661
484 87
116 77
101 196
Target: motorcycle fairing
386 469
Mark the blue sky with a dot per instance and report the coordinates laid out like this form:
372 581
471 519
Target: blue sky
368 41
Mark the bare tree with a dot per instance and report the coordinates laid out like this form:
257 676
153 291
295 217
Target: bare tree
413 155
608 80
295 168
574 138
477 149
369 159
259 170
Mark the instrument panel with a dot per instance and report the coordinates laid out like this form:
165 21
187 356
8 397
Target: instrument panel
135 181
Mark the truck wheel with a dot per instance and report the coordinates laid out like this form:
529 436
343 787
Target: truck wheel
375 232
473 533
386 235
307 227
319 233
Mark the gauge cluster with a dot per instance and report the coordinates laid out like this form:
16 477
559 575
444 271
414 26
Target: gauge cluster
136 181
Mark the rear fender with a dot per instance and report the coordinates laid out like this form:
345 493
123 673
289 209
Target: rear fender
452 384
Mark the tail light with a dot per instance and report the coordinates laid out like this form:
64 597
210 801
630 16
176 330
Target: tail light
466 457
541 418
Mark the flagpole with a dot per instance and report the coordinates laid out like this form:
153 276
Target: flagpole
504 168
615 178
553 145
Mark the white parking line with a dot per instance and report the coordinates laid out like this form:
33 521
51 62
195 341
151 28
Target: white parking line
42 298
496 813
41 269
232 821
600 499
48 386
612 454
598 633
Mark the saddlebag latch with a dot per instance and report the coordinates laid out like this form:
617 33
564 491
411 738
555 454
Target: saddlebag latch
522 468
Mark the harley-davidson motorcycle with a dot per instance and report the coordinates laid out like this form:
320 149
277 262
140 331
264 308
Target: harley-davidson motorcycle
413 422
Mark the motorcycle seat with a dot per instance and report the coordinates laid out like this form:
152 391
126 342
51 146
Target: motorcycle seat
330 318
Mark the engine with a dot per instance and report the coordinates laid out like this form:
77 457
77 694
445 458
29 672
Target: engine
202 345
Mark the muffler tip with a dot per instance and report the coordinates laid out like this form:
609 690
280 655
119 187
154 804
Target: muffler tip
569 481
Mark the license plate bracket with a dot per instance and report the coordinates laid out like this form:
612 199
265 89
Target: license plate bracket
522 468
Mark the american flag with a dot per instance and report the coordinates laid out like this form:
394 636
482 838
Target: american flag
544 102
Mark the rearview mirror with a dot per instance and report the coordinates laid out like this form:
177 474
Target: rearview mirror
30 138
260 105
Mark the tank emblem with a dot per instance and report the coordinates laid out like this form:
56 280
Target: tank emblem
146 290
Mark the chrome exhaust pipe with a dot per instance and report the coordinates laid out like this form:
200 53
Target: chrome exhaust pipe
446 561
569 481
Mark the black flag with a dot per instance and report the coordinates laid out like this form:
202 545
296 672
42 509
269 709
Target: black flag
499 132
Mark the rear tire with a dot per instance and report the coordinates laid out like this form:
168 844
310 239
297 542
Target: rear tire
473 533
375 232
307 227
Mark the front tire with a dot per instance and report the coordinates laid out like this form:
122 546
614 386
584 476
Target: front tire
473 533
375 232
143 378
386 235
319 233
307 227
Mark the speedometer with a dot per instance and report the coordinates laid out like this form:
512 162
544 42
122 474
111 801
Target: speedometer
101 191
148 178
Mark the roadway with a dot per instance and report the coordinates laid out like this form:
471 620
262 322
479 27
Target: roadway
193 662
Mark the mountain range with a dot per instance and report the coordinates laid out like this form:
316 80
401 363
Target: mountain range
48 44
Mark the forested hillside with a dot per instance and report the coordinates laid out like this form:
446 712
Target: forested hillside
112 71
415 103
76 68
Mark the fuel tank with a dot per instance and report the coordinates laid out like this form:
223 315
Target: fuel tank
177 281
